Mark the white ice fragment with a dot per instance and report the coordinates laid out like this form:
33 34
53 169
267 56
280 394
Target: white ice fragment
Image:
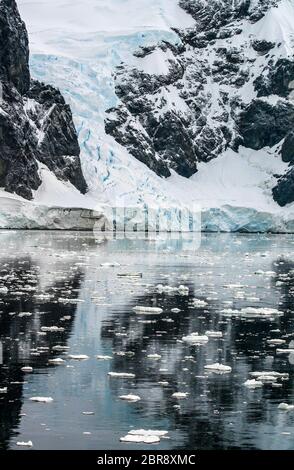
78 357
52 329
130 397
140 439
123 375
155 357
4 390
197 303
195 338
104 358
253 383
147 432
109 265
42 399
25 444
175 310
286 407
148 310
27 369
277 342
218 368
180 395
58 361
214 334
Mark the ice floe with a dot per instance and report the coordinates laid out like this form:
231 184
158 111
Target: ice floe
218 368
42 399
123 375
148 310
130 397
195 338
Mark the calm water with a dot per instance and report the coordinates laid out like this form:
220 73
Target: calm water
56 279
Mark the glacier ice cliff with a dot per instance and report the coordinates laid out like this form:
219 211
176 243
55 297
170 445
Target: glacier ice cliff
177 103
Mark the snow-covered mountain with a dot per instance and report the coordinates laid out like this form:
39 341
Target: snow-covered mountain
177 103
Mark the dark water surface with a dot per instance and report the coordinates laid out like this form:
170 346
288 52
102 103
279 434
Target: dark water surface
56 279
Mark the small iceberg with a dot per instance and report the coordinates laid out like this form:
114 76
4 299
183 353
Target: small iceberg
42 399
78 357
25 444
218 368
27 369
58 361
214 334
104 358
122 375
195 338
148 310
286 407
130 397
253 383
180 395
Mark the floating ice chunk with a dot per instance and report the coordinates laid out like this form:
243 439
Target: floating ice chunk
279 375
140 439
218 368
3 290
180 395
156 357
253 383
260 312
163 383
109 265
123 375
58 361
197 303
42 399
130 397
130 274
27 369
78 357
286 407
277 342
148 310
214 334
284 351
25 444
25 314
175 310
4 390
147 432
104 358
88 413
195 338
59 347
52 328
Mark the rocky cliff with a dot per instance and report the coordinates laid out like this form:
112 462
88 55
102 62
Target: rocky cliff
36 125
227 83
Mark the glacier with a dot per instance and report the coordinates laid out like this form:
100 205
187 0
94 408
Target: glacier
77 46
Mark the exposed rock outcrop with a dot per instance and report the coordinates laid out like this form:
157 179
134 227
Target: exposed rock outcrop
36 124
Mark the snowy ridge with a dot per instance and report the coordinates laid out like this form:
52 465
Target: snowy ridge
78 46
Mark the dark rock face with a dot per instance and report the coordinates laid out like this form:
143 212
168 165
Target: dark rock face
283 192
279 80
35 122
262 124
174 119
288 148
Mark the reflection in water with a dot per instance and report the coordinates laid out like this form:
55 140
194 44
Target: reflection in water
88 287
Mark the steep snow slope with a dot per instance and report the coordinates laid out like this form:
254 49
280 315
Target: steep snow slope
78 45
